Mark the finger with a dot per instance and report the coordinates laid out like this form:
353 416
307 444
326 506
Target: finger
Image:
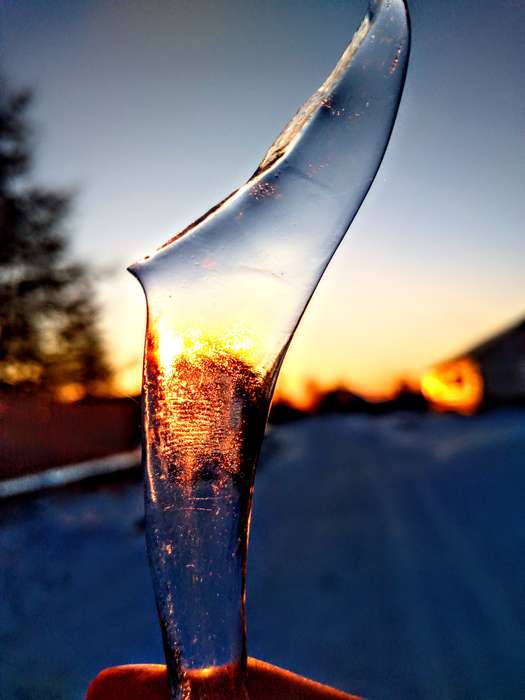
264 682
138 682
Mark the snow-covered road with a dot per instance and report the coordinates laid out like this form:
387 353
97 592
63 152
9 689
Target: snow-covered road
387 558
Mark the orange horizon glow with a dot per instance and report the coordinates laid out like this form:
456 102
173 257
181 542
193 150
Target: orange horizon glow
376 375
293 390
305 395
451 386
455 386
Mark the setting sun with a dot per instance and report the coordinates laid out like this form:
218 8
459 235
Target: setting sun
455 385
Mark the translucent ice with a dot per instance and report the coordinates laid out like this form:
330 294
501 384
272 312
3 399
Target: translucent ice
224 298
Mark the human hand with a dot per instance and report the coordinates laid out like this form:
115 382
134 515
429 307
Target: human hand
264 682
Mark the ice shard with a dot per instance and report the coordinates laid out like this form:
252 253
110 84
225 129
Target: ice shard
224 297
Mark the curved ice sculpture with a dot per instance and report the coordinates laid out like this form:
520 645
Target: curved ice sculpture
224 298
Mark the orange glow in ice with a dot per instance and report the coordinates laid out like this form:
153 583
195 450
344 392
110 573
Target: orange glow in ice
194 345
206 398
455 386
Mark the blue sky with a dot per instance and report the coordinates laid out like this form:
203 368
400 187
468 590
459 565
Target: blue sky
155 110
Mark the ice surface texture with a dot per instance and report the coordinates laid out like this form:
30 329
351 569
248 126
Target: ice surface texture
224 298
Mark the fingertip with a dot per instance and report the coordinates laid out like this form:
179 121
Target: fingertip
136 682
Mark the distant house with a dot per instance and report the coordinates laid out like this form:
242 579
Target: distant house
492 372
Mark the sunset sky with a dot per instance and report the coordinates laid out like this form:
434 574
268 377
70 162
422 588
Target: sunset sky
154 111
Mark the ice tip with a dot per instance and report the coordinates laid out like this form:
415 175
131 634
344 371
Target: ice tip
135 268
132 269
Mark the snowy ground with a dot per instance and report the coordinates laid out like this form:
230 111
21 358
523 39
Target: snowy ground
387 558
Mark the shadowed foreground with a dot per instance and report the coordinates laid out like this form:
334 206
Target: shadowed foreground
387 559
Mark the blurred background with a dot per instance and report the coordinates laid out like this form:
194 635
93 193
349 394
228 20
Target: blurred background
388 546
